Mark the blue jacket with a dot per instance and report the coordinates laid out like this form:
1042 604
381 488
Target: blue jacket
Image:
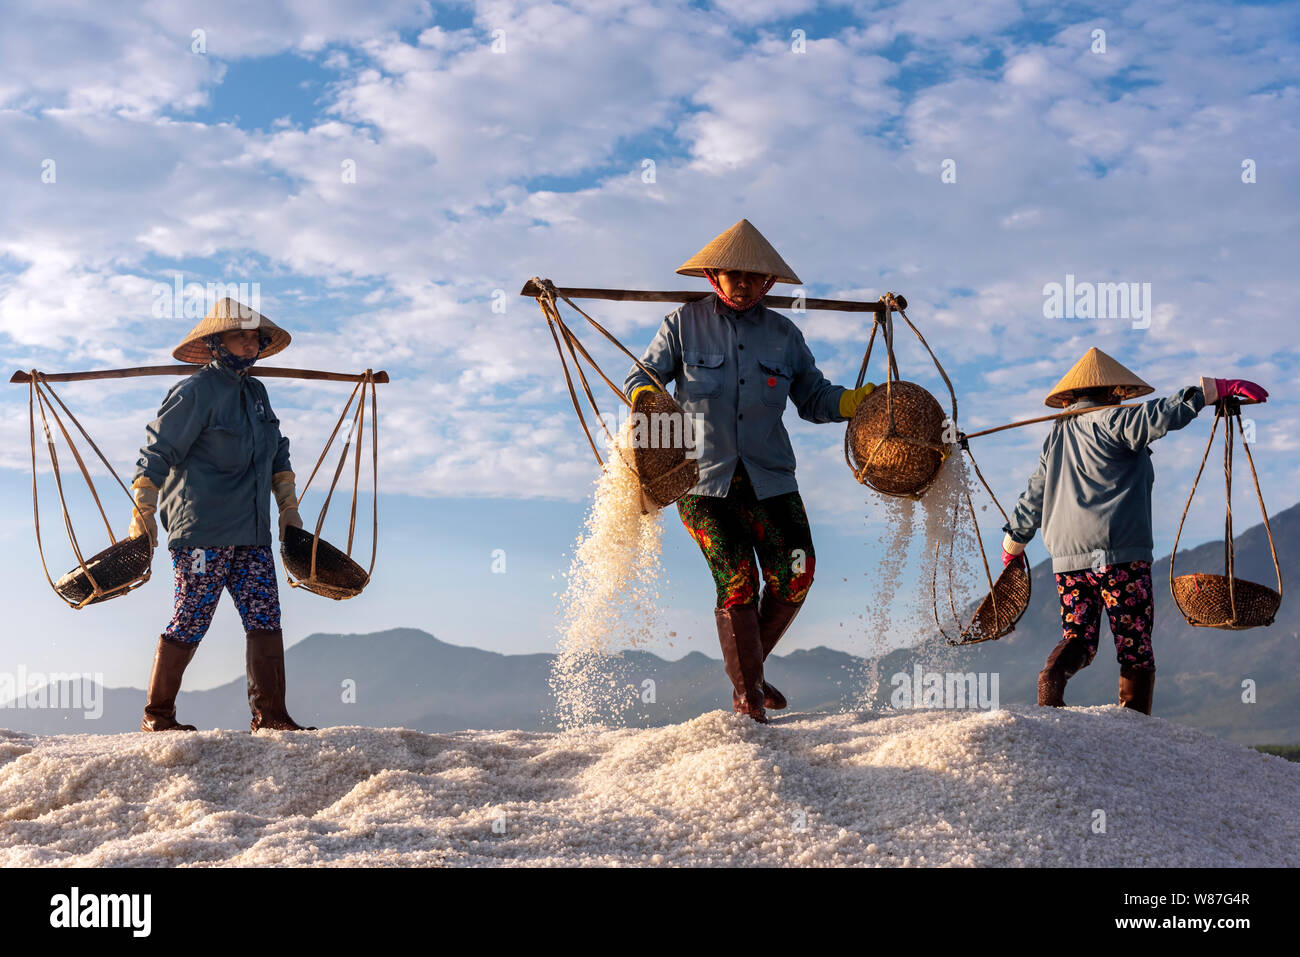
212 452
1092 491
736 371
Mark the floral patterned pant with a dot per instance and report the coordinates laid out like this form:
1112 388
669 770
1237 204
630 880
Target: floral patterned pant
1125 592
732 530
246 571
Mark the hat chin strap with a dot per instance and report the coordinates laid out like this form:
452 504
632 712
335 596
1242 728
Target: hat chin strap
738 306
227 358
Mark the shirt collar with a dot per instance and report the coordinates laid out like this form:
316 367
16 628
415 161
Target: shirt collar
1087 403
722 309
226 371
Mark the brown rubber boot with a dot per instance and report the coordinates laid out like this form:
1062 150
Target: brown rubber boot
1136 689
169 663
742 655
266 682
1062 664
774 617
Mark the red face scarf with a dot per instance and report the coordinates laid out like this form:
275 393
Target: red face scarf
712 276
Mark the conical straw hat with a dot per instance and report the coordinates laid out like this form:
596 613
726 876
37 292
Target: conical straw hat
1096 370
227 315
741 247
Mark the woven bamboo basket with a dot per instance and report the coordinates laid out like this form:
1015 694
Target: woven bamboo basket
117 569
1226 601
1205 602
903 460
664 470
337 575
1012 591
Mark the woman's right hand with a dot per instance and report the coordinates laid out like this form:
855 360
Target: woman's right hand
639 389
1012 551
145 495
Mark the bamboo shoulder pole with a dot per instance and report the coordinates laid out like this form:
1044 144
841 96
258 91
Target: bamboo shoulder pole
691 295
268 371
1065 415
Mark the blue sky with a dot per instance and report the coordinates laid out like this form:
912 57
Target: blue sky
477 169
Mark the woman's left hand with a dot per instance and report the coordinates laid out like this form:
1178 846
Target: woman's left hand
282 485
289 517
852 398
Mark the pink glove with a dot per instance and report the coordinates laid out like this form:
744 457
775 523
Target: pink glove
1008 558
1241 389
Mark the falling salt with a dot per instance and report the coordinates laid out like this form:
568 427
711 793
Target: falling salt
929 557
610 603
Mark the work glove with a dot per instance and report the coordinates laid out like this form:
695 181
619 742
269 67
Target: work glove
850 399
286 497
643 388
1216 389
145 495
1012 552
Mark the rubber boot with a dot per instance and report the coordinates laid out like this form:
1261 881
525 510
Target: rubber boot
742 655
169 663
1137 688
1062 664
774 617
266 682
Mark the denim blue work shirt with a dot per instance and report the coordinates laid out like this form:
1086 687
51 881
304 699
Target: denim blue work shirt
1091 493
736 370
212 452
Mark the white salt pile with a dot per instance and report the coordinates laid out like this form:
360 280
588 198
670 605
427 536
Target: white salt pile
1070 787
610 603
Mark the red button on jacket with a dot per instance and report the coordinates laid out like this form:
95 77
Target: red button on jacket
771 382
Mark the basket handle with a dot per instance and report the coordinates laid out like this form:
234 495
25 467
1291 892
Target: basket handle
889 303
547 301
358 430
1173 554
39 394
1277 569
988 575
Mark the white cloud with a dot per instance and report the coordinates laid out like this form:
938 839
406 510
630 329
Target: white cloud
466 163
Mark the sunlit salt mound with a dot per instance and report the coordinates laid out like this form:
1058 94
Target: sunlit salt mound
1020 787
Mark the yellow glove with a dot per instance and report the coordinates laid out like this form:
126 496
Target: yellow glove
642 388
145 496
852 398
286 497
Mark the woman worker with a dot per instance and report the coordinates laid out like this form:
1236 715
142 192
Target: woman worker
736 363
216 454
1092 497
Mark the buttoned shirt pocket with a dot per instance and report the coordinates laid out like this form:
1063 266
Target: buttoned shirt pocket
702 373
777 377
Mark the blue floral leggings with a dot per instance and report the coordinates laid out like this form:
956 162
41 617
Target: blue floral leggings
246 571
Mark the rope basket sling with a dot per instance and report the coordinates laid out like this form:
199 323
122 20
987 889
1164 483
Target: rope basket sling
121 567
1225 601
997 615
895 441
312 563
664 470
